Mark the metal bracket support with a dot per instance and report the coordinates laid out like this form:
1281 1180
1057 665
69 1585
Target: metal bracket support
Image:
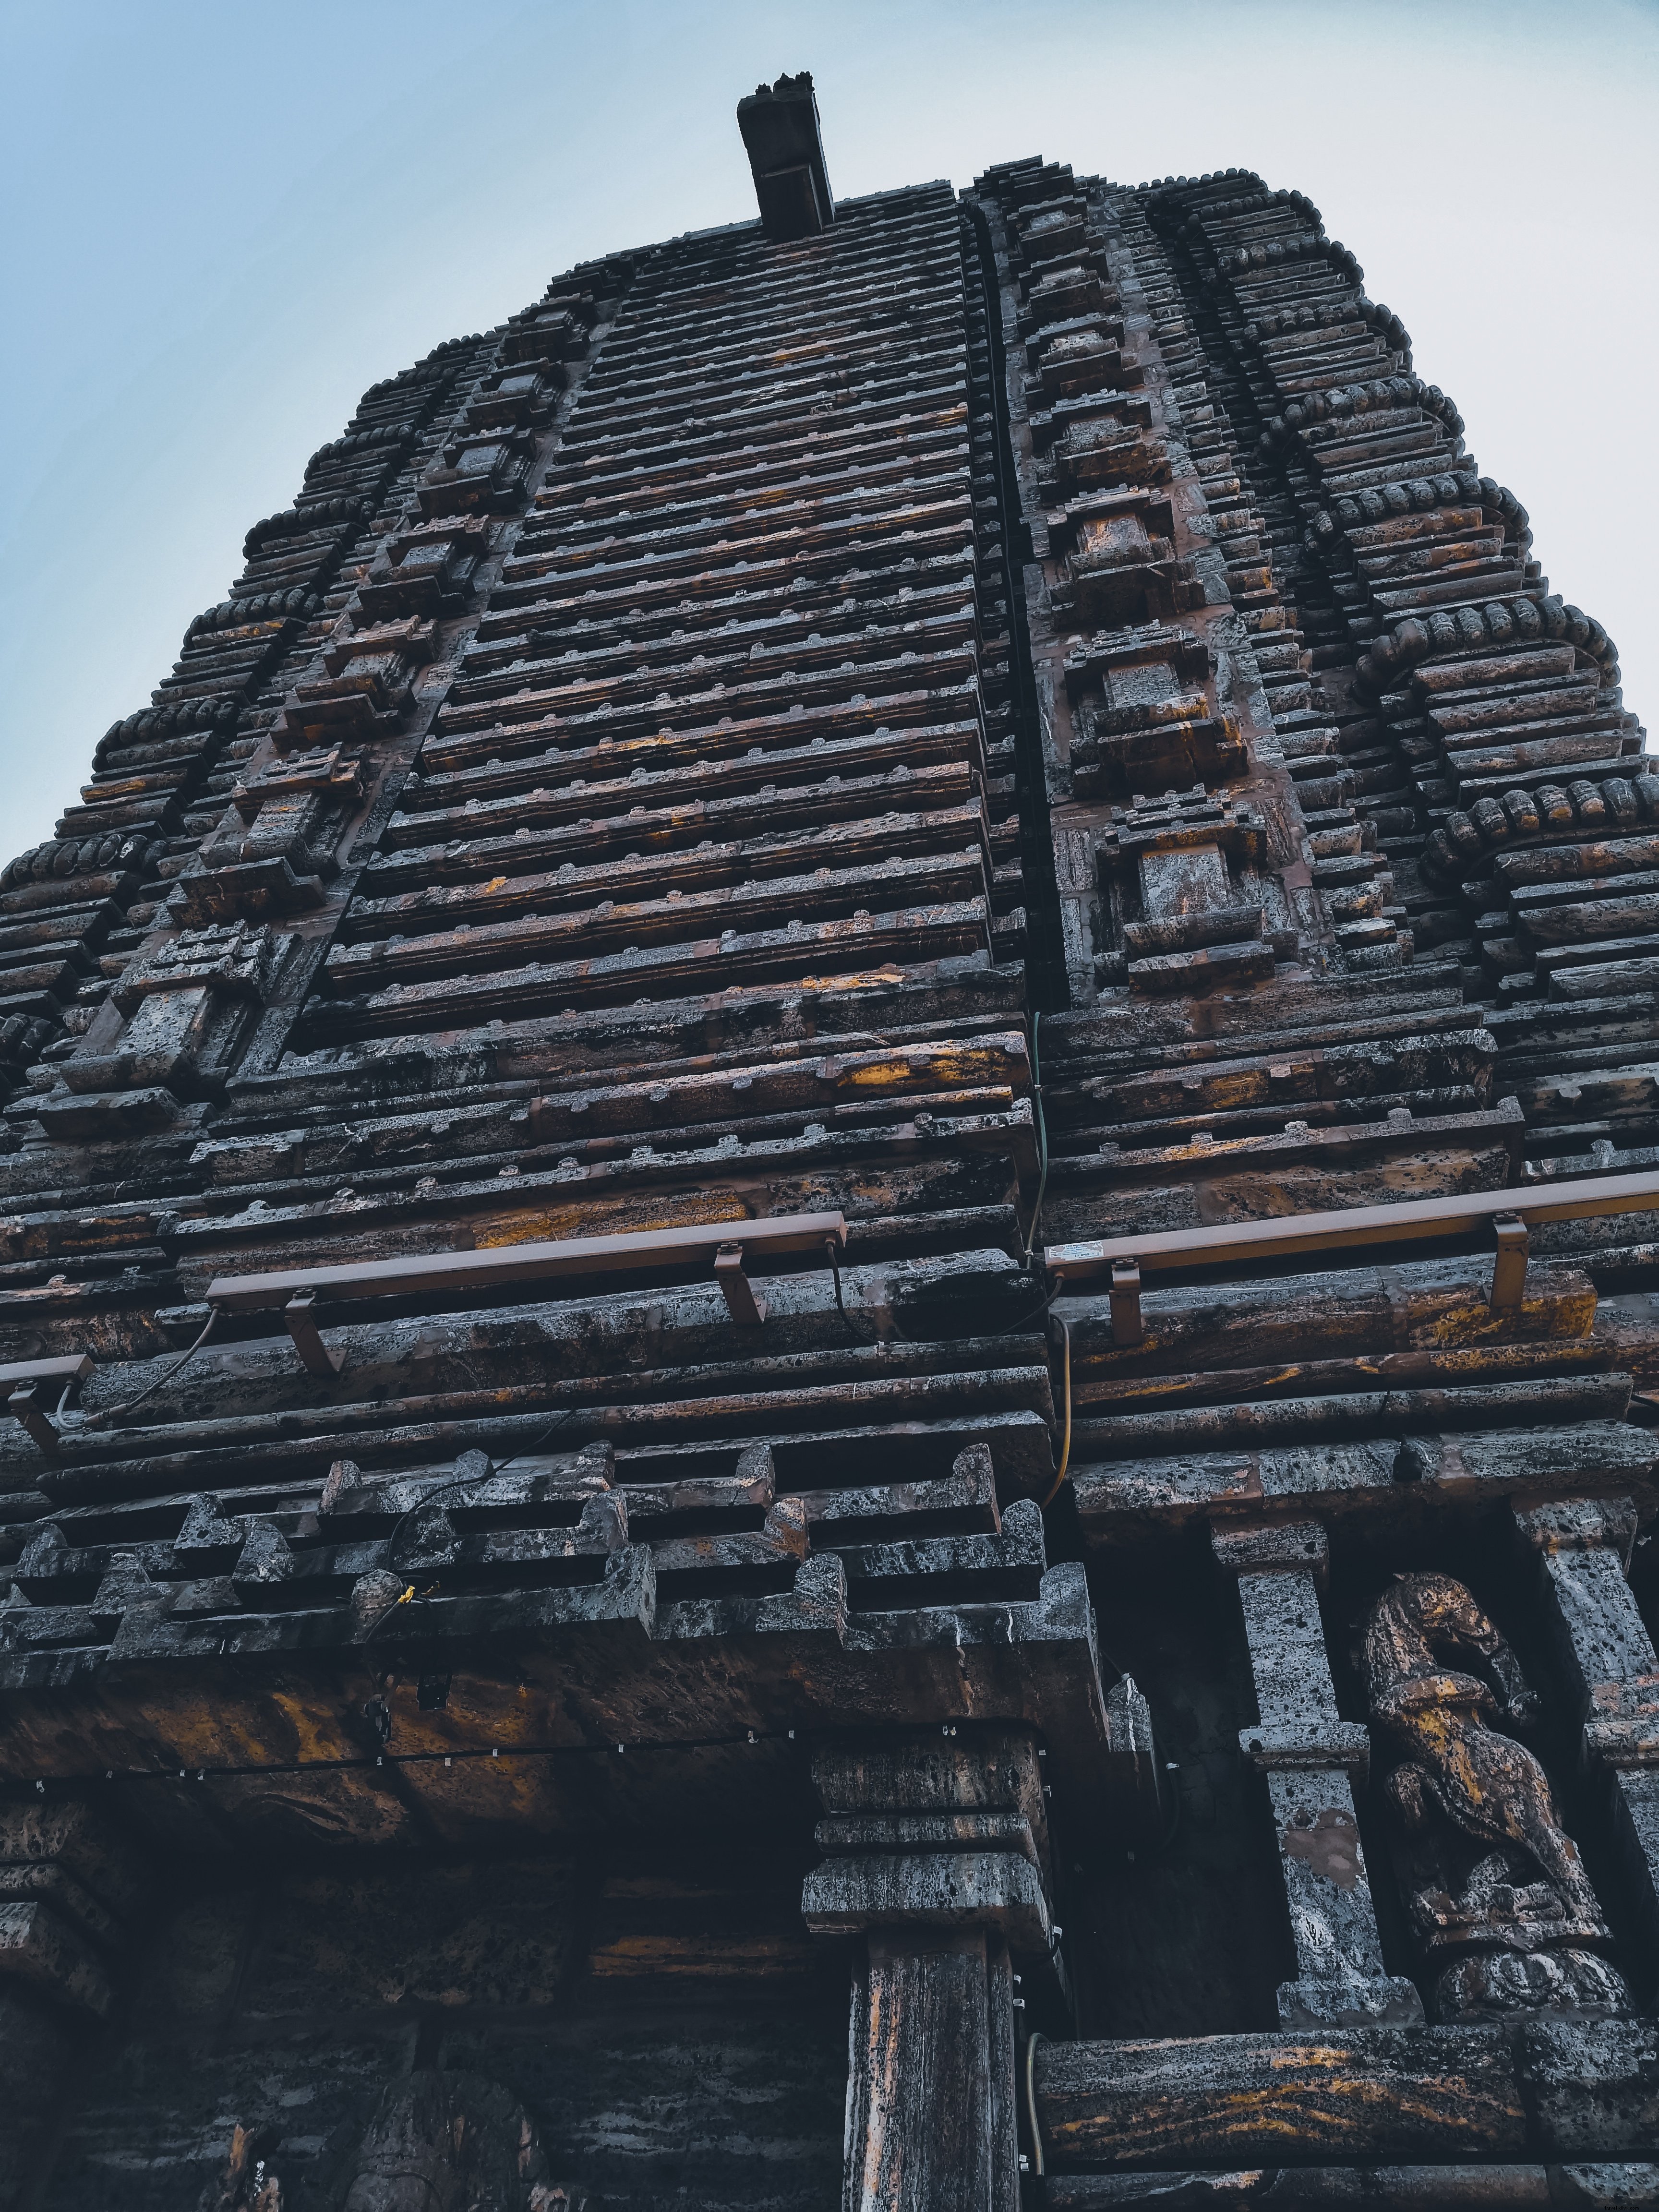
1125 1298
300 1314
24 1405
33 1389
1509 1273
745 1309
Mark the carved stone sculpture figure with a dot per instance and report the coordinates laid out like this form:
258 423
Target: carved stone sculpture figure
1496 1886
453 2143
439 2142
587 1092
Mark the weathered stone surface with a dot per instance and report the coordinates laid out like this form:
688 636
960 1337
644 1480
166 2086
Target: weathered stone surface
993 718
450 2142
1593 2083
961 1890
35 2044
1432 2188
1366 2094
40 1950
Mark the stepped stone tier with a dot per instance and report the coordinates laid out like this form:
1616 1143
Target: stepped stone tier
830 1192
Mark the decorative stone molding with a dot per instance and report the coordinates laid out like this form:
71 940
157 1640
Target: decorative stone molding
1307 1753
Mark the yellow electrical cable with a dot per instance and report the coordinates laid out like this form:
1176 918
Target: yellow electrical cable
1065 1438
405 1596
1031 2043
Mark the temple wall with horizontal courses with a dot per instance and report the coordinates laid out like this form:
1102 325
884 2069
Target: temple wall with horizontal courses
829 1275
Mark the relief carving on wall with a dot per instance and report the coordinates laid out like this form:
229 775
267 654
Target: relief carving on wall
453 2143
1496 1893
437 2141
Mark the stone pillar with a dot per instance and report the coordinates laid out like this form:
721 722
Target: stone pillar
1308 1755
937 1867
1604 1652
70 1891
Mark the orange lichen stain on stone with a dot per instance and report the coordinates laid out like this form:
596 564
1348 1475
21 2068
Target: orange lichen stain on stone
880 1075
626 1956
207 1735
1286 2056
553 1225
865 979
317 1728
1471 1326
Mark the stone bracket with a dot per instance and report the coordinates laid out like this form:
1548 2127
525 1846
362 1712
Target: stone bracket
932 1891
1322 1745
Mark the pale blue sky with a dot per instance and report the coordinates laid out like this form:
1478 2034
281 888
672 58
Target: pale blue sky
223 220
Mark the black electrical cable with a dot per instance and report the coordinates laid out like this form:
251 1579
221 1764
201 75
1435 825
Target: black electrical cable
471 1481
564 1413
448 1490
477 1754
835 1270
1048 967
405 1596
830 1247
1042 1142
97 1420
1066 1442
1036 1313
1031 2043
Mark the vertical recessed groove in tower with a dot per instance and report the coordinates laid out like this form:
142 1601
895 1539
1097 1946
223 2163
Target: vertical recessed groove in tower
1036 842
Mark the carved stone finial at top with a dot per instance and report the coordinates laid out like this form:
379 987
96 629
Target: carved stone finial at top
1497 1892
780 132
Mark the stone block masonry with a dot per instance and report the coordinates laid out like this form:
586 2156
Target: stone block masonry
587 1619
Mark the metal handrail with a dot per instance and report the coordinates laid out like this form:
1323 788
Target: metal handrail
729 1245
1511 1213
1412 1219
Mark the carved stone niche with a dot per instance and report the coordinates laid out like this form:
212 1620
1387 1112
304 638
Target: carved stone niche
1122 566
428 570
1497 1894
1050 232
1063 294
360 685
482 471
438 2142
1179 894
1116 415
189 1000
1144 722
1089 455
556 329
288 821
519 397
1086 356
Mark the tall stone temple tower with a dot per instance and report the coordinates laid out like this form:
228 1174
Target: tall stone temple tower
830 1275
